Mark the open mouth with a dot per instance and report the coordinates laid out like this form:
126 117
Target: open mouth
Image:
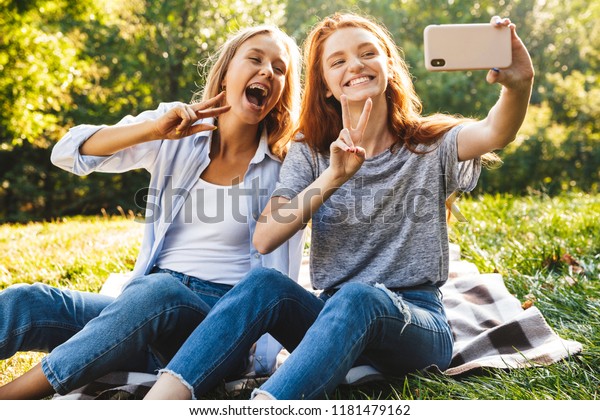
257 94
359 80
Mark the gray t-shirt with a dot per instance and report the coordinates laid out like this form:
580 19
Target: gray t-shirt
387 224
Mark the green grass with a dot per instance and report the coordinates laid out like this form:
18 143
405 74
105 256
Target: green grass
546 249
76 253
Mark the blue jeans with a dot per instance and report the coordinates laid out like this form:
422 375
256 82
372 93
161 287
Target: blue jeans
90 335
395 331
39 317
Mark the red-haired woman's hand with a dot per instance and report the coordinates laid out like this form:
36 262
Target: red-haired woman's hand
179 122
345 157
519 75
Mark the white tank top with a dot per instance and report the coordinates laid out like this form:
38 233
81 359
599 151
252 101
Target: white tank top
209 238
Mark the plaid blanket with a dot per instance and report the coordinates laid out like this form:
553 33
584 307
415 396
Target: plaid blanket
491 329
114 386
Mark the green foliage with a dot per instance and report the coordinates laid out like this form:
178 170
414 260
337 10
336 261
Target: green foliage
558 147
39 66
549 156
66 62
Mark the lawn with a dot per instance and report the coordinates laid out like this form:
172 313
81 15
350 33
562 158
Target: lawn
547 250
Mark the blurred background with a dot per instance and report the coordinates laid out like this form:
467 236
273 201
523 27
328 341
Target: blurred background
68 62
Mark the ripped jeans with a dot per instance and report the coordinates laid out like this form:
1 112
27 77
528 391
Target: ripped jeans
396 332
91 335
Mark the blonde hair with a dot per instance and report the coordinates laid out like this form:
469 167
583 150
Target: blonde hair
280 122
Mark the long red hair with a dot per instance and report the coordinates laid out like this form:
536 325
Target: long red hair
404 106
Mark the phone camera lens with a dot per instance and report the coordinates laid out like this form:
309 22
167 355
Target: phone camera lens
438 62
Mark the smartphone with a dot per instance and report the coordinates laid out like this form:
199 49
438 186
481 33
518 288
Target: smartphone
473 46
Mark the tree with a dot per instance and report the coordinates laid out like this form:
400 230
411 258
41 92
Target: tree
65 62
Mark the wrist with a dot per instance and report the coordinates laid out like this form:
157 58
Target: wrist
331 179
151 131
519 87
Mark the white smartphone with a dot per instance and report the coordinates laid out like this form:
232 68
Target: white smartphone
471 46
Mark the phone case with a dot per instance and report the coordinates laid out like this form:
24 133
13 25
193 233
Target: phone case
473 46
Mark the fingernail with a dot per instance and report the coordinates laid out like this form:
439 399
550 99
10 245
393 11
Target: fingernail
498 21
496 70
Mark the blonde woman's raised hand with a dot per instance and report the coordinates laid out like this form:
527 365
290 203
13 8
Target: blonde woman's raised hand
346 156
180 121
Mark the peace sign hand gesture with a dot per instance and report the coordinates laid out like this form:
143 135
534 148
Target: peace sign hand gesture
346 156
179 121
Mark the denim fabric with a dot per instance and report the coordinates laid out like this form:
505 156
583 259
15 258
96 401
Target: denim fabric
265 300
138 331
39 317
395 331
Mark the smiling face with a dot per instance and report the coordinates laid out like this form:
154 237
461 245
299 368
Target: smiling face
354 64
255 77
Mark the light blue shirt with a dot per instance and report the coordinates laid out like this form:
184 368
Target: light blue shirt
174 167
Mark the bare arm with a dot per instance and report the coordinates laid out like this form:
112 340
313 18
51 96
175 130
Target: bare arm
503 121
282 217
175 124
110 140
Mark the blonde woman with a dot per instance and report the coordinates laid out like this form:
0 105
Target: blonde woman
213 165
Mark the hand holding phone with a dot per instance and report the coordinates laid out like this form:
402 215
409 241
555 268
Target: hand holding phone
475 46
